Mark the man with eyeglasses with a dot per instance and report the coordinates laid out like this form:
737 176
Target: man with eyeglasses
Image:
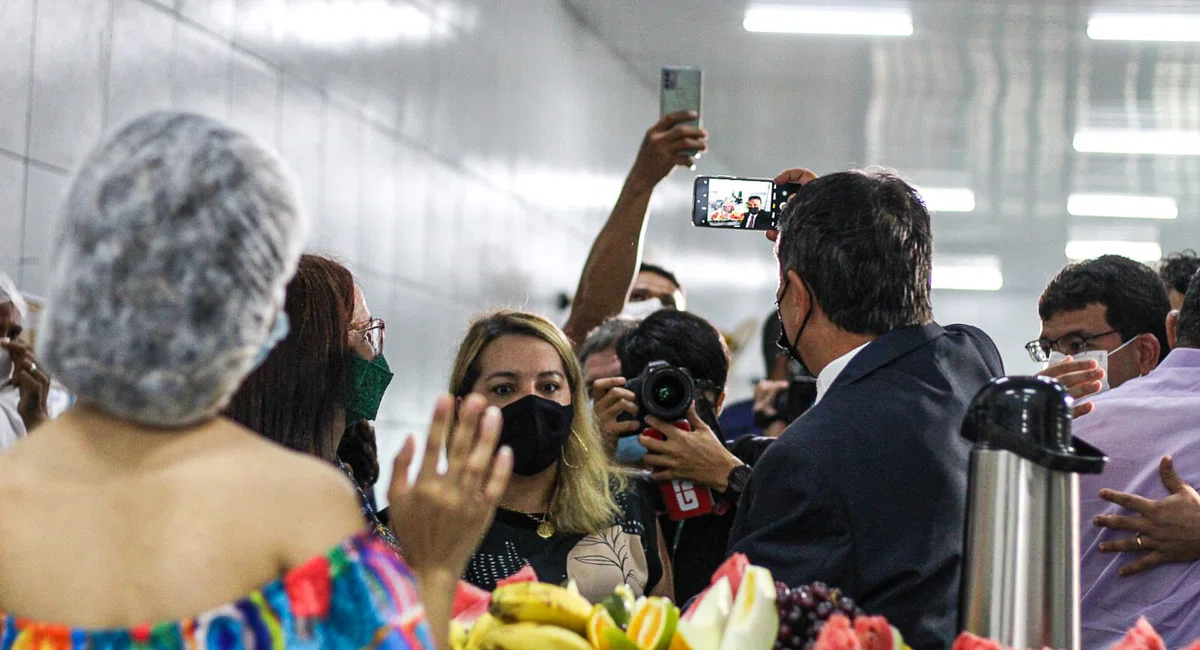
1103 323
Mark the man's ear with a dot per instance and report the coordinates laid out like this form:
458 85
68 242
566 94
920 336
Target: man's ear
721 402
1149 351
1173 328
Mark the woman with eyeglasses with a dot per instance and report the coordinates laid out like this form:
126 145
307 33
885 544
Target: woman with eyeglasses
328 374
567 512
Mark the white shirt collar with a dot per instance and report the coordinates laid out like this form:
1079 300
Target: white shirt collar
830 374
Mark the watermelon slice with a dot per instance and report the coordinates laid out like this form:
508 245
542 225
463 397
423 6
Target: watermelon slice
526 574
968 641
470 602
875 633
837 634
1194 646
733 570
1141 637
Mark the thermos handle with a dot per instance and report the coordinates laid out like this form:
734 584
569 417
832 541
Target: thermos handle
1083 458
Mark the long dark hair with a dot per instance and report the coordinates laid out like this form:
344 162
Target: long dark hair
296 395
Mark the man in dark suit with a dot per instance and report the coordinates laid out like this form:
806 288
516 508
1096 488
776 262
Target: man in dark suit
867 491
755 218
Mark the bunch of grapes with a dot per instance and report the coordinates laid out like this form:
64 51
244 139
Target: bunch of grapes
804 610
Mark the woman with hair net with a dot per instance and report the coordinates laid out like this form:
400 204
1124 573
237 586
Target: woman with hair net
24 388
141 518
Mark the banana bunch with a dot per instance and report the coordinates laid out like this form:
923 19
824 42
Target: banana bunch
529 616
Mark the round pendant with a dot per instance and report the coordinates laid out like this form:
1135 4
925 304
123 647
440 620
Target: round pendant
545 530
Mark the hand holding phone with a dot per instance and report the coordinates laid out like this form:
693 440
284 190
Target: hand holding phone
668 144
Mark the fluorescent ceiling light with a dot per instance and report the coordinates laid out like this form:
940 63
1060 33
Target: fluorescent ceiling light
829 20
1142 251
1163 143
1122 205
1144 27
967 273
948 199
343 23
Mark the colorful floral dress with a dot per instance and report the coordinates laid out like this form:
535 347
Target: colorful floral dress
357 596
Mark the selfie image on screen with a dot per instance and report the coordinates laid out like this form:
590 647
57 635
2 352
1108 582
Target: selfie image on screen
739 204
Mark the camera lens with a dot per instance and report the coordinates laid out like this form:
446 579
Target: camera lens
668 393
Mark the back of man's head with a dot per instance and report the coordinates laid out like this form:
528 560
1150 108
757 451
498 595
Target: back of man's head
861 242
1187 328
1134 298
679 338
1176 272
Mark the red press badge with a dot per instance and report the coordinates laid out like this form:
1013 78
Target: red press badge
684 499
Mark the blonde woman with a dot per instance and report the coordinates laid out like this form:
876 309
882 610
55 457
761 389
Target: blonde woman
566 513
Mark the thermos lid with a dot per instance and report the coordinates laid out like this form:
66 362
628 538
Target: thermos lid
1030 417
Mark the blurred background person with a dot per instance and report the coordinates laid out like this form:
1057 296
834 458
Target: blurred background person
566 513
327 375
1136 425
24 387
1111 311
179 235
1176 271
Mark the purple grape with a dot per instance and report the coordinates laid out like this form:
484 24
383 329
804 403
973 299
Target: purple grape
804 598
820 590
815 631
780 645
794 616
824 609
808 645
785 631
846 606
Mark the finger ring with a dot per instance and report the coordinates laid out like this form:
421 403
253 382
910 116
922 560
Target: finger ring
1138 537
32 367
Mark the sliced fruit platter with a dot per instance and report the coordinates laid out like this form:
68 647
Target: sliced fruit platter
743 609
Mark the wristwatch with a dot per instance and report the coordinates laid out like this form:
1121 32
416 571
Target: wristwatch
739 478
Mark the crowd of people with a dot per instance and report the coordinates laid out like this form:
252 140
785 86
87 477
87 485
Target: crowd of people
212 483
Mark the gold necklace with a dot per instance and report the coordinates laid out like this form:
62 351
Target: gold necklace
545 528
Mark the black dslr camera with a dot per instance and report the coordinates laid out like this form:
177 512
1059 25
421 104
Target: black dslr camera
662 390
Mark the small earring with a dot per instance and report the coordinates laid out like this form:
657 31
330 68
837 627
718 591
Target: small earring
580 441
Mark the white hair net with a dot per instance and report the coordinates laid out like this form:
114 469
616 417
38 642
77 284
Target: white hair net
9 293
174 246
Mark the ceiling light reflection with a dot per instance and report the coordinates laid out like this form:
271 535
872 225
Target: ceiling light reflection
1144 27
828 20
1129 141
341 23
1122 205
948 199
967 273
1141 251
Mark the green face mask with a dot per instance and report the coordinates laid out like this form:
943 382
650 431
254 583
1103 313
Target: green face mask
368 382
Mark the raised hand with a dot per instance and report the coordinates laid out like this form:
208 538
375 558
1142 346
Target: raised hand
1166 531
611 399
665 147
440 519
32 383
1081 378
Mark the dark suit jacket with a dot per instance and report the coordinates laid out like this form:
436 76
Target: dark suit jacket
867 491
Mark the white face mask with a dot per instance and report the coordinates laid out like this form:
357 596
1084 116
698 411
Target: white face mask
1100 356
642 308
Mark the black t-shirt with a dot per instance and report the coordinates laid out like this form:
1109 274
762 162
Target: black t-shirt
625 553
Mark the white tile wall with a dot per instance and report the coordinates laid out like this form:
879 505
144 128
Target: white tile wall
434 149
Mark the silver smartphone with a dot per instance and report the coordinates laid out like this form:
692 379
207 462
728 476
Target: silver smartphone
681 91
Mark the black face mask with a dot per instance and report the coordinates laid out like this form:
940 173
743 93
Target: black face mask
536 429
786 343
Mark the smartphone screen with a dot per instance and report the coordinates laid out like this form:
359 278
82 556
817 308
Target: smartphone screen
681 91
735 203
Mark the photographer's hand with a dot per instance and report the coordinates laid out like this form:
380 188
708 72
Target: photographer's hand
611 400
798 175
696 455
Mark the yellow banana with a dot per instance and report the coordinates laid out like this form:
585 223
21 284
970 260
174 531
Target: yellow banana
458 636
480 630
538 602
532 636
